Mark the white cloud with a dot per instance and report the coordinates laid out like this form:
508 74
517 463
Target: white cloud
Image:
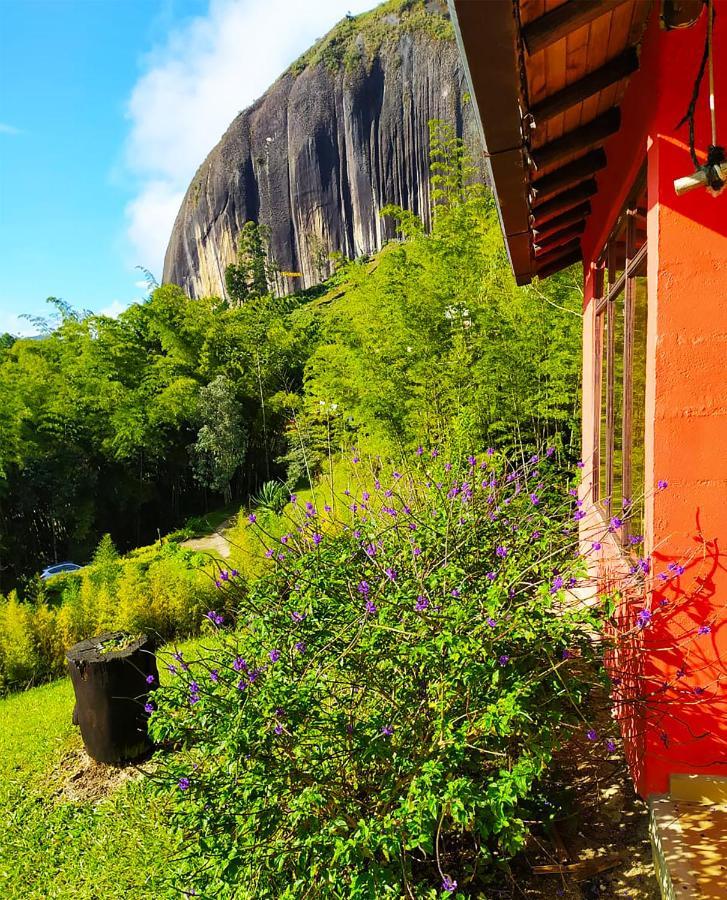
114 309
193 86
13 324
9 129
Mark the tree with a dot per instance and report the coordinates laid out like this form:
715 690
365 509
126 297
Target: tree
221 441
253 273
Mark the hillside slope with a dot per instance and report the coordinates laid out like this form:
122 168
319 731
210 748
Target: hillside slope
341 134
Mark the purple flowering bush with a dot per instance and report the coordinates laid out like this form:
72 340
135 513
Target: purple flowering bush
381 718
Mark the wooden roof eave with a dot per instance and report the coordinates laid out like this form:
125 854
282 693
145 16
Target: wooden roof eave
487 36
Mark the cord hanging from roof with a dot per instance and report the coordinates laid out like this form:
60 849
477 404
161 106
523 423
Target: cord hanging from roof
713 173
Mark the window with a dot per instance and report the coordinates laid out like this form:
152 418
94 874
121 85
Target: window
620 368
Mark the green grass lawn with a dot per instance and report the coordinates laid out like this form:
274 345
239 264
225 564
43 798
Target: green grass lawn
52 846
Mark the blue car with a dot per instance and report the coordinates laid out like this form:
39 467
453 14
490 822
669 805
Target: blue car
59 569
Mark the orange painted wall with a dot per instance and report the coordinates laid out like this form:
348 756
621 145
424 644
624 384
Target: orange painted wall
679 723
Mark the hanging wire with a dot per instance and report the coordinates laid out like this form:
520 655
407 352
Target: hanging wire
690 114
710 45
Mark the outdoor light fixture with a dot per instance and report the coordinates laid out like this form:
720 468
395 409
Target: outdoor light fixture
713 174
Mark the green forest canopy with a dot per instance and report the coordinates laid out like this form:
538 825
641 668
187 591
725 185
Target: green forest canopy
129 425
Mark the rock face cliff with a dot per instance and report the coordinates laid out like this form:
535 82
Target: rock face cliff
341 134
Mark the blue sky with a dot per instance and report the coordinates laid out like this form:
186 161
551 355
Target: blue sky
107 107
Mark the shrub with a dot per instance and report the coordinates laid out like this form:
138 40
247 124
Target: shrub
163 590
395 691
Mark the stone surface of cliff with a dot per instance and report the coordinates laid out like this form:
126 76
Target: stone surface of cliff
343 133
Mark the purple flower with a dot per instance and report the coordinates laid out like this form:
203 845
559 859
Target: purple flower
421 604
150 679
504 660
390 574
274 655
592 735
317 538
635 539
611 746
417 551
356 459
371 608
239 664
149 707
492 622
580 464
578 515
501 552
214 675
449 884
704 629
550 451
557 584
534 499
363 587
183 784
225 576
455 592
278 729
643 618
387 730
662 485
297 616
293 498
490 451
300 646
596 545
172 669
419 451
252 518
616 522
435 453
566 654
241 684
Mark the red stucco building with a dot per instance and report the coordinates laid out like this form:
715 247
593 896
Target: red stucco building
580 103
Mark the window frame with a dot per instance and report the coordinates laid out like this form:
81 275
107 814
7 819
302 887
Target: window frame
604 341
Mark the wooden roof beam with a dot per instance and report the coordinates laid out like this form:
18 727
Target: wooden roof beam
577 214
550 209
557 252
558 238
562 262
590 135
614 70
559 22
567 176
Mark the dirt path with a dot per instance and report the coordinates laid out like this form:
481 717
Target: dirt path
212 543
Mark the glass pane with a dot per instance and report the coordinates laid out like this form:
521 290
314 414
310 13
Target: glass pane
639 403
603 424
618 389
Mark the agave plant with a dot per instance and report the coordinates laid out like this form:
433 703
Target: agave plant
271 497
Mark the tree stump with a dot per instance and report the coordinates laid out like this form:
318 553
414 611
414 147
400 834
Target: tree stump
109 676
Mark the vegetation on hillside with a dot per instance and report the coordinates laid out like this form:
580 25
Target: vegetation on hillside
360 38
130 425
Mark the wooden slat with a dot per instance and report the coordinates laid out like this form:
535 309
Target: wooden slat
558 252
577 214
568 175
554 25
620 67
576 67
555 71
583 138
563 202
562 262
558 238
